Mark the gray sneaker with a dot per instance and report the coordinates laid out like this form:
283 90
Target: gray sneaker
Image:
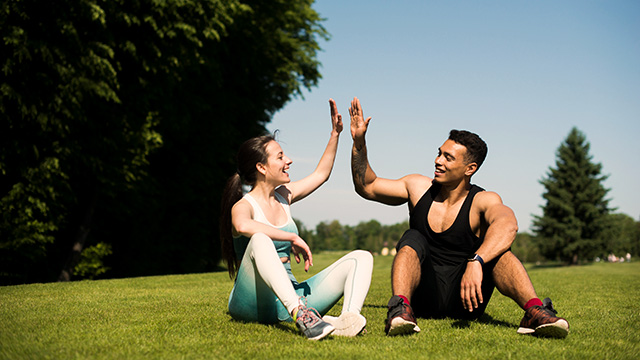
311 324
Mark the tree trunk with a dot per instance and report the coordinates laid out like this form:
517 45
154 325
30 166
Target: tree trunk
81 237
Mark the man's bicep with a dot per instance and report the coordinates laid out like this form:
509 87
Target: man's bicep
388 191
495 209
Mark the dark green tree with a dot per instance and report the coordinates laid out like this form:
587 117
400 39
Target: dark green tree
332 236
623 236
119 122
574 218
306 234
370 236
525 248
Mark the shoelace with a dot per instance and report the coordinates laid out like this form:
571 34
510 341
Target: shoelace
547 304
308 315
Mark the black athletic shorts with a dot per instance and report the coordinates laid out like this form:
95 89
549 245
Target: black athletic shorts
438 294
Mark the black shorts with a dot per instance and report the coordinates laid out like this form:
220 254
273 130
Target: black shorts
438 294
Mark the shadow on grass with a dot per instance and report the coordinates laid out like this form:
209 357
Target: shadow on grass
484 319
375 306
279 325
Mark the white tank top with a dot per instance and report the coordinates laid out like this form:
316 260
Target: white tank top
282 247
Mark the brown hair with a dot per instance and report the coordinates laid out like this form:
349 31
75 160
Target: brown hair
251 152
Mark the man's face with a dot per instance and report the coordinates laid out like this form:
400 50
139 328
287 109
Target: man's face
450 163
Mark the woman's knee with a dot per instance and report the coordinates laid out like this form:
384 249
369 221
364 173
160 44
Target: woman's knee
260 241
361 256
364 255
260 237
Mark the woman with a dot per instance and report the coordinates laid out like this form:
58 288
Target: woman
258 234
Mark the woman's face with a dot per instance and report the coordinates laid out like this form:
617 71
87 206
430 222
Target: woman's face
277 164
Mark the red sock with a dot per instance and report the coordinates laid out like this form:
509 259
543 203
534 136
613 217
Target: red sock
532 302
406 301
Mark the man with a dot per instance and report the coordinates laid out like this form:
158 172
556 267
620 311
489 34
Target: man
458 246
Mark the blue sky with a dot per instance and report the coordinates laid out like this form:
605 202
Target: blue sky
521 74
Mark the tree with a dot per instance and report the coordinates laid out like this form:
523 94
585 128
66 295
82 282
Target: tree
623 236
574 217
120 121
332 236
525 249
370 236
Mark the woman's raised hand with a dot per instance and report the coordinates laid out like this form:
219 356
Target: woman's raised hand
336 118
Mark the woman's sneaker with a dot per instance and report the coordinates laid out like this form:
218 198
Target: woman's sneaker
347 324
542 321
311 324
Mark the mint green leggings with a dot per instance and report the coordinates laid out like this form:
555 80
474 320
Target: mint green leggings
265 291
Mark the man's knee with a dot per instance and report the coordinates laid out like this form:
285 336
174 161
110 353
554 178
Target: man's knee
414 240
405 256
507 262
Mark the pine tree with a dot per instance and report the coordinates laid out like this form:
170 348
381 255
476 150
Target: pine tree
574 218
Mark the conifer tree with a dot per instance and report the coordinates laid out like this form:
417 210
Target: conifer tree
574 217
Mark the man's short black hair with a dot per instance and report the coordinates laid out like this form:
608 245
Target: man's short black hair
476 147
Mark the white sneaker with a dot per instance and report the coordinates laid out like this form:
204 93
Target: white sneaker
347 324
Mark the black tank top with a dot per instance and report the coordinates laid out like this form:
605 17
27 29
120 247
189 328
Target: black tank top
454 245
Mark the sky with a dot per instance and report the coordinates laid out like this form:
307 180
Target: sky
521 74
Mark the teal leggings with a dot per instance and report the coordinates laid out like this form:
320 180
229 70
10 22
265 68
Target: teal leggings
265 291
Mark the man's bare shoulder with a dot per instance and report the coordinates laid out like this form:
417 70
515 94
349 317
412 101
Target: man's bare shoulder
490 203
487 199
417 180
417 185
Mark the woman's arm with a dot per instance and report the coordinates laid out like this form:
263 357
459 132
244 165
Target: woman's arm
243 224
302 188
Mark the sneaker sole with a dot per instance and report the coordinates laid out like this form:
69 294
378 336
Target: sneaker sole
347 324
325 332
558 329
400 326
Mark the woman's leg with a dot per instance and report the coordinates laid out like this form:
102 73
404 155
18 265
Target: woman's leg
261 280
349 276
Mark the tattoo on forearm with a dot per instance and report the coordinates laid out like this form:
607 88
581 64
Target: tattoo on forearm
359 167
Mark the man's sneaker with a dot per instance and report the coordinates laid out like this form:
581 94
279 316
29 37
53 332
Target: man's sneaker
400 318
347 324
310 323
542 321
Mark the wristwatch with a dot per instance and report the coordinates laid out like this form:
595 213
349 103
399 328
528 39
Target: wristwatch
477 258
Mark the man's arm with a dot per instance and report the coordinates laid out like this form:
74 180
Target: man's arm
365 181
501 231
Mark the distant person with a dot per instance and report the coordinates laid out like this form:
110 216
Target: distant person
258 234
458 246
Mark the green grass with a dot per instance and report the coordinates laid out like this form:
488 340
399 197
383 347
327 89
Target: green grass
185 316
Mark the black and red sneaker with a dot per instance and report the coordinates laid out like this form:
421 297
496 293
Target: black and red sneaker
400 318
542 321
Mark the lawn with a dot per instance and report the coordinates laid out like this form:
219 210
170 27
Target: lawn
184 317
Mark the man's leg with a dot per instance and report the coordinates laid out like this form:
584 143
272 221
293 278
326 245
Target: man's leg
512 280
405 278
405 272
